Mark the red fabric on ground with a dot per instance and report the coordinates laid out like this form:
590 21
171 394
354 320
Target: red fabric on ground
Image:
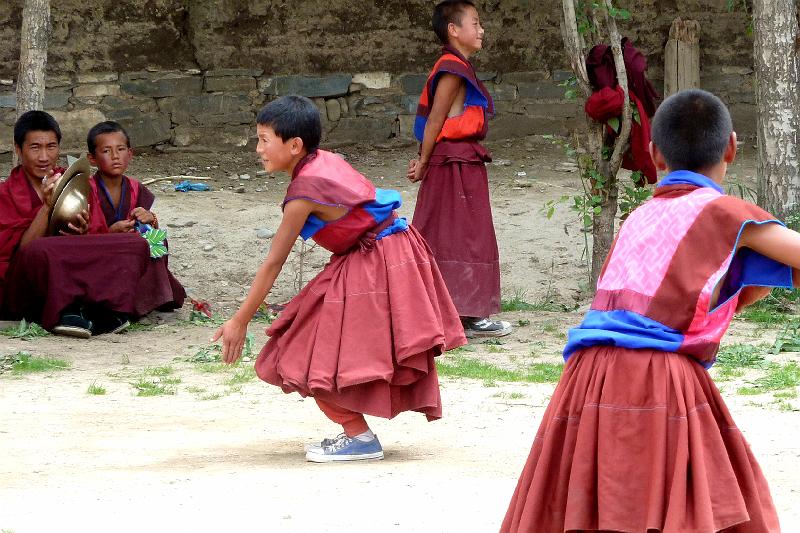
352 423
454 215
363 334
113 271
635 441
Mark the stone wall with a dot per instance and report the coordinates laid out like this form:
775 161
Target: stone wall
192 74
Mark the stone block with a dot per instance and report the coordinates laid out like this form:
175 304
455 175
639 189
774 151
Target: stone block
745 119
502 91
406 126
56 98
186 109
163 87
487 75
148 129
412 83
233 118
510 126
8 100
150 75
334 110
540 90
229 137
97 77
74 125
229 84
409 103
248 72
310 86
373 80
57 81
523 77
343 105
562 75
96 89
362 129
6 139
560 110
384 105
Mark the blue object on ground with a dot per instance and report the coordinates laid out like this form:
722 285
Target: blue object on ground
186 186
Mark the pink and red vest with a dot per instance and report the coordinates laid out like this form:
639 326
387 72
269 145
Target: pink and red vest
327 179
672 279
472 124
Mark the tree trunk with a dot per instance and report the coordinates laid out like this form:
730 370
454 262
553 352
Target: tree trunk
33 55
604 223
777 84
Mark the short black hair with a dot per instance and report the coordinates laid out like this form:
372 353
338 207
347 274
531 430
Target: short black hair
446 12
691 129
293 116
35 121
109 126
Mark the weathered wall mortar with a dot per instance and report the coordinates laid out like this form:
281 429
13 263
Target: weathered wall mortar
191 75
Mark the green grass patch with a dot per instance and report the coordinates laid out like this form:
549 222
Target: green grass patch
211 396
25 331
788 340
140 326
523 323
516 302
467 348
159 371
195 390
493 348
509 395
463 367
153 387
741 356
241 375
786 395
776 308
25 363
777 377
96 390
550 327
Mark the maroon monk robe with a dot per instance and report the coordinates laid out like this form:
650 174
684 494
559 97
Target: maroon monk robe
114 271
19 204
454 215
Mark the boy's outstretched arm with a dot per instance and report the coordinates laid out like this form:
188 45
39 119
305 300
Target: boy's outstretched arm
776 242
446 91
234 331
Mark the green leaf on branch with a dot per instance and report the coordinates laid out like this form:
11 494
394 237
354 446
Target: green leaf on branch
614 123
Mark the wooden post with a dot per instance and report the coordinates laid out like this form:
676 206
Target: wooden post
682 57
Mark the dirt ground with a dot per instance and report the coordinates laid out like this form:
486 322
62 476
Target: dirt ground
225 451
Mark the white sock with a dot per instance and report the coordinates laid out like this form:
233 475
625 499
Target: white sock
367 436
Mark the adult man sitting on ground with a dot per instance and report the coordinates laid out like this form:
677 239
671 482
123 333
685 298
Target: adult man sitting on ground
73 284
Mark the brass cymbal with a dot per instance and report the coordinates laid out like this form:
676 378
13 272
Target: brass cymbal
71 196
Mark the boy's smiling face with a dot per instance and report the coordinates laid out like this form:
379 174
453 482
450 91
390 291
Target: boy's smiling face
111 154
467 36
275 153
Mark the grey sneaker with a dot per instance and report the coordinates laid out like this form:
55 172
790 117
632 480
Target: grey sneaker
345 448
323 443
483 327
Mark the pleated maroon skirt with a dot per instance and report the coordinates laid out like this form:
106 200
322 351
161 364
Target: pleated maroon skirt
454 215
364 332
639 441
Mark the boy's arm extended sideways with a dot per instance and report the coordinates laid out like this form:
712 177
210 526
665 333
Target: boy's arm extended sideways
233 332
776 242
446 91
